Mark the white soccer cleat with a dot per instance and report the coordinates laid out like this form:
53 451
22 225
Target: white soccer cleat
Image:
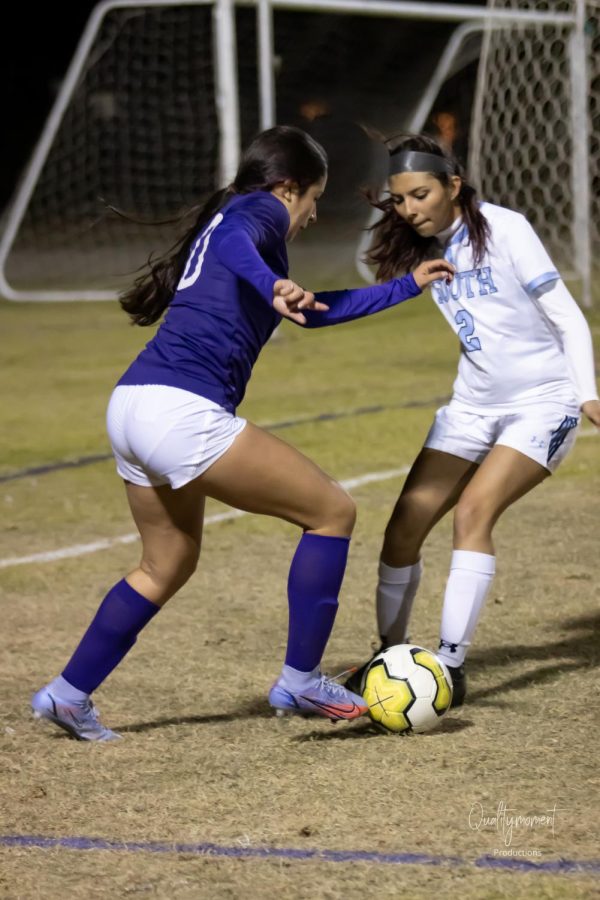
79 719
324 697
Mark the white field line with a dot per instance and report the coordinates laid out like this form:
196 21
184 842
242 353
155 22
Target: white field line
107 543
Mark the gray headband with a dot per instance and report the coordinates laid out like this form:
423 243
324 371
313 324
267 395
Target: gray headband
415 161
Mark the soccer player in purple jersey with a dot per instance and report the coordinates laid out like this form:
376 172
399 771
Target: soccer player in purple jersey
177 439
525 376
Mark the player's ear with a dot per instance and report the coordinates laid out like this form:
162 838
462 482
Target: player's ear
283 191
286 190
455 186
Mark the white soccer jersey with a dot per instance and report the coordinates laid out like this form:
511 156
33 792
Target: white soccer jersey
511 354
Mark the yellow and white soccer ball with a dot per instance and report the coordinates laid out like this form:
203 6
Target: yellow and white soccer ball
408 689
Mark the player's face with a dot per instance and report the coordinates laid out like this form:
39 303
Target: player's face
303 207
424 202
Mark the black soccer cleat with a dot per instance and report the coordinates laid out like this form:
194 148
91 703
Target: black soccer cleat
354 682
459 685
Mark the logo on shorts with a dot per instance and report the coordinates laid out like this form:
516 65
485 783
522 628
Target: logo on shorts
559 435
537 442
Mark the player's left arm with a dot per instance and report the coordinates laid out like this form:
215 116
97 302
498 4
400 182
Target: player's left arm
557 304
355 303
540 278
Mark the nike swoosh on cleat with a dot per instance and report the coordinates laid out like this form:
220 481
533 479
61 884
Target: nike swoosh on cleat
341 712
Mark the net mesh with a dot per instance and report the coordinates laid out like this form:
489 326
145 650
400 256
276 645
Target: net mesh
522 141
139 133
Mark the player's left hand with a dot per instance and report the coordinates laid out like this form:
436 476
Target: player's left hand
289 299
591 409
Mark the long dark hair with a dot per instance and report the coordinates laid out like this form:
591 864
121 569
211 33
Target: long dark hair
396 246
279 154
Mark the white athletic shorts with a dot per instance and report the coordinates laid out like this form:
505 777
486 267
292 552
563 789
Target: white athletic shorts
165 435
545 433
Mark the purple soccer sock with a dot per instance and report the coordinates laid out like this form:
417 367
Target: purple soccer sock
315 579
112 633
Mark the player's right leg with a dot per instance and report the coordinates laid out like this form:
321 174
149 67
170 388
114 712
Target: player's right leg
432 487
170 526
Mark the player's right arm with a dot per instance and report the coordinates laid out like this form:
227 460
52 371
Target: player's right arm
235 244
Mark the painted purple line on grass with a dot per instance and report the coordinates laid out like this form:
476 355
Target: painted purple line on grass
207 849
556 866
552 866
56 467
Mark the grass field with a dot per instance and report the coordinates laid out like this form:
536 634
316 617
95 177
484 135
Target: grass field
208 795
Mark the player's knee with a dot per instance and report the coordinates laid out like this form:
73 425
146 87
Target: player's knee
471 517
188 565
341 513
409 521
171 571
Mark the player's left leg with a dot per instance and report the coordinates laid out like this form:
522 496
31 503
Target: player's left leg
262 474
502 478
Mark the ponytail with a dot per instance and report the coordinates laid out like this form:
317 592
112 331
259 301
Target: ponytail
277 155
150 294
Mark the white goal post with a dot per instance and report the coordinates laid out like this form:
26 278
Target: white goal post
129 122
59 202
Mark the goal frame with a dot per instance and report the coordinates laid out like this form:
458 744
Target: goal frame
469 19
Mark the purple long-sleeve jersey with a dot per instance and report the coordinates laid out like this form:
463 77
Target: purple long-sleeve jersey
222 312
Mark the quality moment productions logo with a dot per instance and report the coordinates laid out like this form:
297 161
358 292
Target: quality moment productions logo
508 824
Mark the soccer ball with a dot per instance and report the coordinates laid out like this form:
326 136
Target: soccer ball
408 689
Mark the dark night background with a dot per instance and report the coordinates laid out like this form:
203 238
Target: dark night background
36 50
38 47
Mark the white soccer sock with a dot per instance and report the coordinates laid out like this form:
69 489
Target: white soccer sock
470 578
65 691
396 591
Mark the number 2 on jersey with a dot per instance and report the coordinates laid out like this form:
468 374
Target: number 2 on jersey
466 332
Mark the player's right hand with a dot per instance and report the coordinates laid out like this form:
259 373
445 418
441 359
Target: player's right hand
433 270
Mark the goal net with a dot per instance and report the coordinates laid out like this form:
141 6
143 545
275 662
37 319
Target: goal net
139 125
138 132
528 145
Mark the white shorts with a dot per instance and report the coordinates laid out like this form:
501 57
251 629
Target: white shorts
544 433
165 435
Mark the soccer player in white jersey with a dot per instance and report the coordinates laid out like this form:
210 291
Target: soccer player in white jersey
526 373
